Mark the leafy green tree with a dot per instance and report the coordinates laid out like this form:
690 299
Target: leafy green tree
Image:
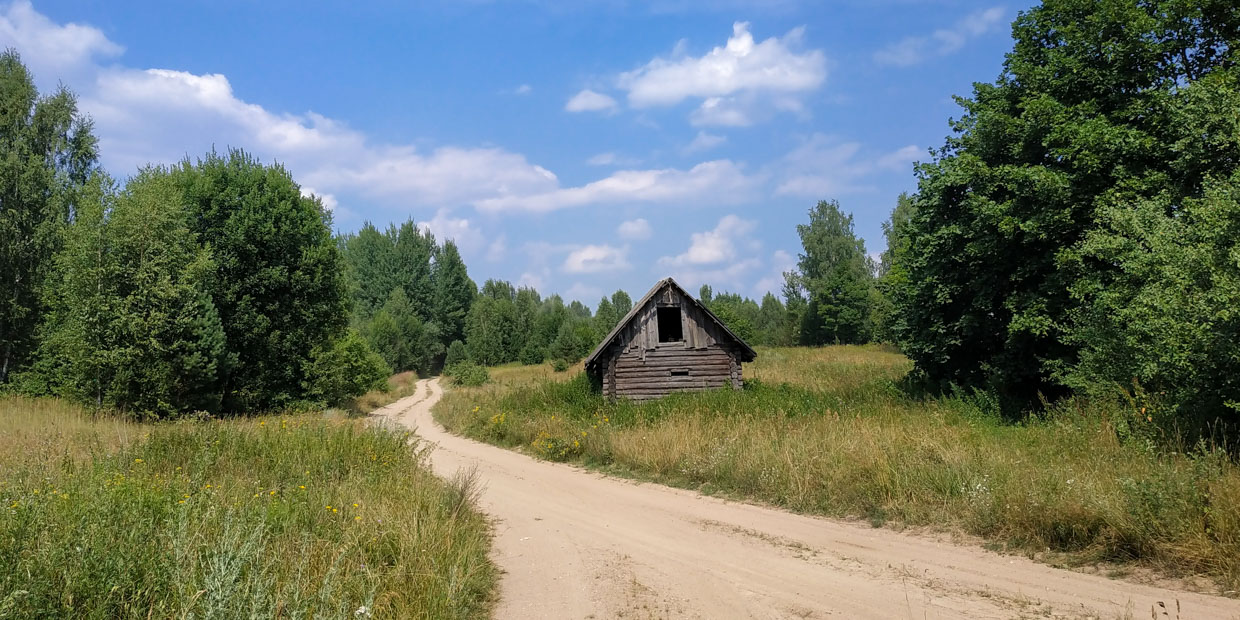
578 310
532 354
1101 105
47 154
771 318
371 263
342 369
454 291
732 316
278 287
892 269
573 342
621 303
604 317
489 330
413 250
457 353
835 272
705 295
132 325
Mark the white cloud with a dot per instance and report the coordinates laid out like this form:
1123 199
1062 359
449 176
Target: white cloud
719 181
596 259
703 142
583 293
715 246
535 281
821 167
590 101
741 65
773 282
329 201
914 50
612 159
635 230
523 89
467 236
721 277
901 158
498 249
52 51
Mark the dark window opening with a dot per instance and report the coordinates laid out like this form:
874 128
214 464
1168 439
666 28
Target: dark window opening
669 325
680 372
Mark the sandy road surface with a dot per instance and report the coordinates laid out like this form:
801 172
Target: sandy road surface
576 544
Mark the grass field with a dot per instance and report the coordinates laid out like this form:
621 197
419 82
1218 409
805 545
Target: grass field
300 516
828 431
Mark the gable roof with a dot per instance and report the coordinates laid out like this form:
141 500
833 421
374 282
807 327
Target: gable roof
748 353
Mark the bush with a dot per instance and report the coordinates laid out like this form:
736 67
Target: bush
559 365
467 373
456 355
344 370
531 355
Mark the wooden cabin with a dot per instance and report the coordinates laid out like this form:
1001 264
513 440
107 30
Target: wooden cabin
669 342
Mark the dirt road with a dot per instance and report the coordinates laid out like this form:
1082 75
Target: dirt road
576 544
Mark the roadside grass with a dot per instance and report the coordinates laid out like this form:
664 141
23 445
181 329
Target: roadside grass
310 515
828 431
399 386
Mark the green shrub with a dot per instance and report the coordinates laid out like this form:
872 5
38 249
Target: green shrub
559 365
345 370
532 354
456 354
468 373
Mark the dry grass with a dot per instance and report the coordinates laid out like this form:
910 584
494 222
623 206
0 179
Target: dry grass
399 386
828 431
296 516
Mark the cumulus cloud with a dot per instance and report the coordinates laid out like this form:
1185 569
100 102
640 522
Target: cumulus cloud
823 165
590 101
523 89
914 50
715 246
596 259
635 230
719 181
734 81
51 50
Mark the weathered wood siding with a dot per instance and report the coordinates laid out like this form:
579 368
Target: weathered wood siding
640 367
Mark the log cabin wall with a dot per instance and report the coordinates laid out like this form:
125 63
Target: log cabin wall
639 365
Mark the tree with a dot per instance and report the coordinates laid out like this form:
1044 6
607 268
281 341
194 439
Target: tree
604 317
771 318
279 286
892 269
48 154
342 369
132 325
489 330
454 291
835 272
457 353
621 303
1094 111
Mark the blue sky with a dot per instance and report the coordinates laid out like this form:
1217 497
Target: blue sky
577 147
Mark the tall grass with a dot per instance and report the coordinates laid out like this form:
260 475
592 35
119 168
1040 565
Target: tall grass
301 516
828 431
